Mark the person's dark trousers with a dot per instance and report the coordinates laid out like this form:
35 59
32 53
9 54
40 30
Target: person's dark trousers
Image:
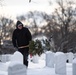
25 53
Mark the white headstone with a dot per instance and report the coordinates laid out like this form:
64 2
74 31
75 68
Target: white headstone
50 59
74 66
8 57
16 68
17 56
70 57
35 58
43 56
60 63
74 55
4 59
0 58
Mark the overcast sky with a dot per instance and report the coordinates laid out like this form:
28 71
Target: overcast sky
24 2
16 7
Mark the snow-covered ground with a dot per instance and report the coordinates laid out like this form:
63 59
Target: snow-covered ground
40 69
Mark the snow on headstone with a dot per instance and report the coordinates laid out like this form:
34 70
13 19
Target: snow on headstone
16 68
49 59
17 56
8 57
74 66
35 58
70 57
42 57
4 59
60 63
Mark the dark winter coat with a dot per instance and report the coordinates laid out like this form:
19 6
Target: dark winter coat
21 37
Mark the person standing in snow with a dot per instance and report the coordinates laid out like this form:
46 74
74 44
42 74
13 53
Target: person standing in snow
20 38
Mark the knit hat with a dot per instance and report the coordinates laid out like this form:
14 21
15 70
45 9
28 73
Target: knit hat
18 23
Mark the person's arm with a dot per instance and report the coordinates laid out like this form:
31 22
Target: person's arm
14 39
29 36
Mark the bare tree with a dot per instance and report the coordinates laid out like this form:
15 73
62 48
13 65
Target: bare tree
64 20
6 28
35 20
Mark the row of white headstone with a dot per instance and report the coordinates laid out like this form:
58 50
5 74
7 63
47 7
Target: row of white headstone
58 60
15 65
7 57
